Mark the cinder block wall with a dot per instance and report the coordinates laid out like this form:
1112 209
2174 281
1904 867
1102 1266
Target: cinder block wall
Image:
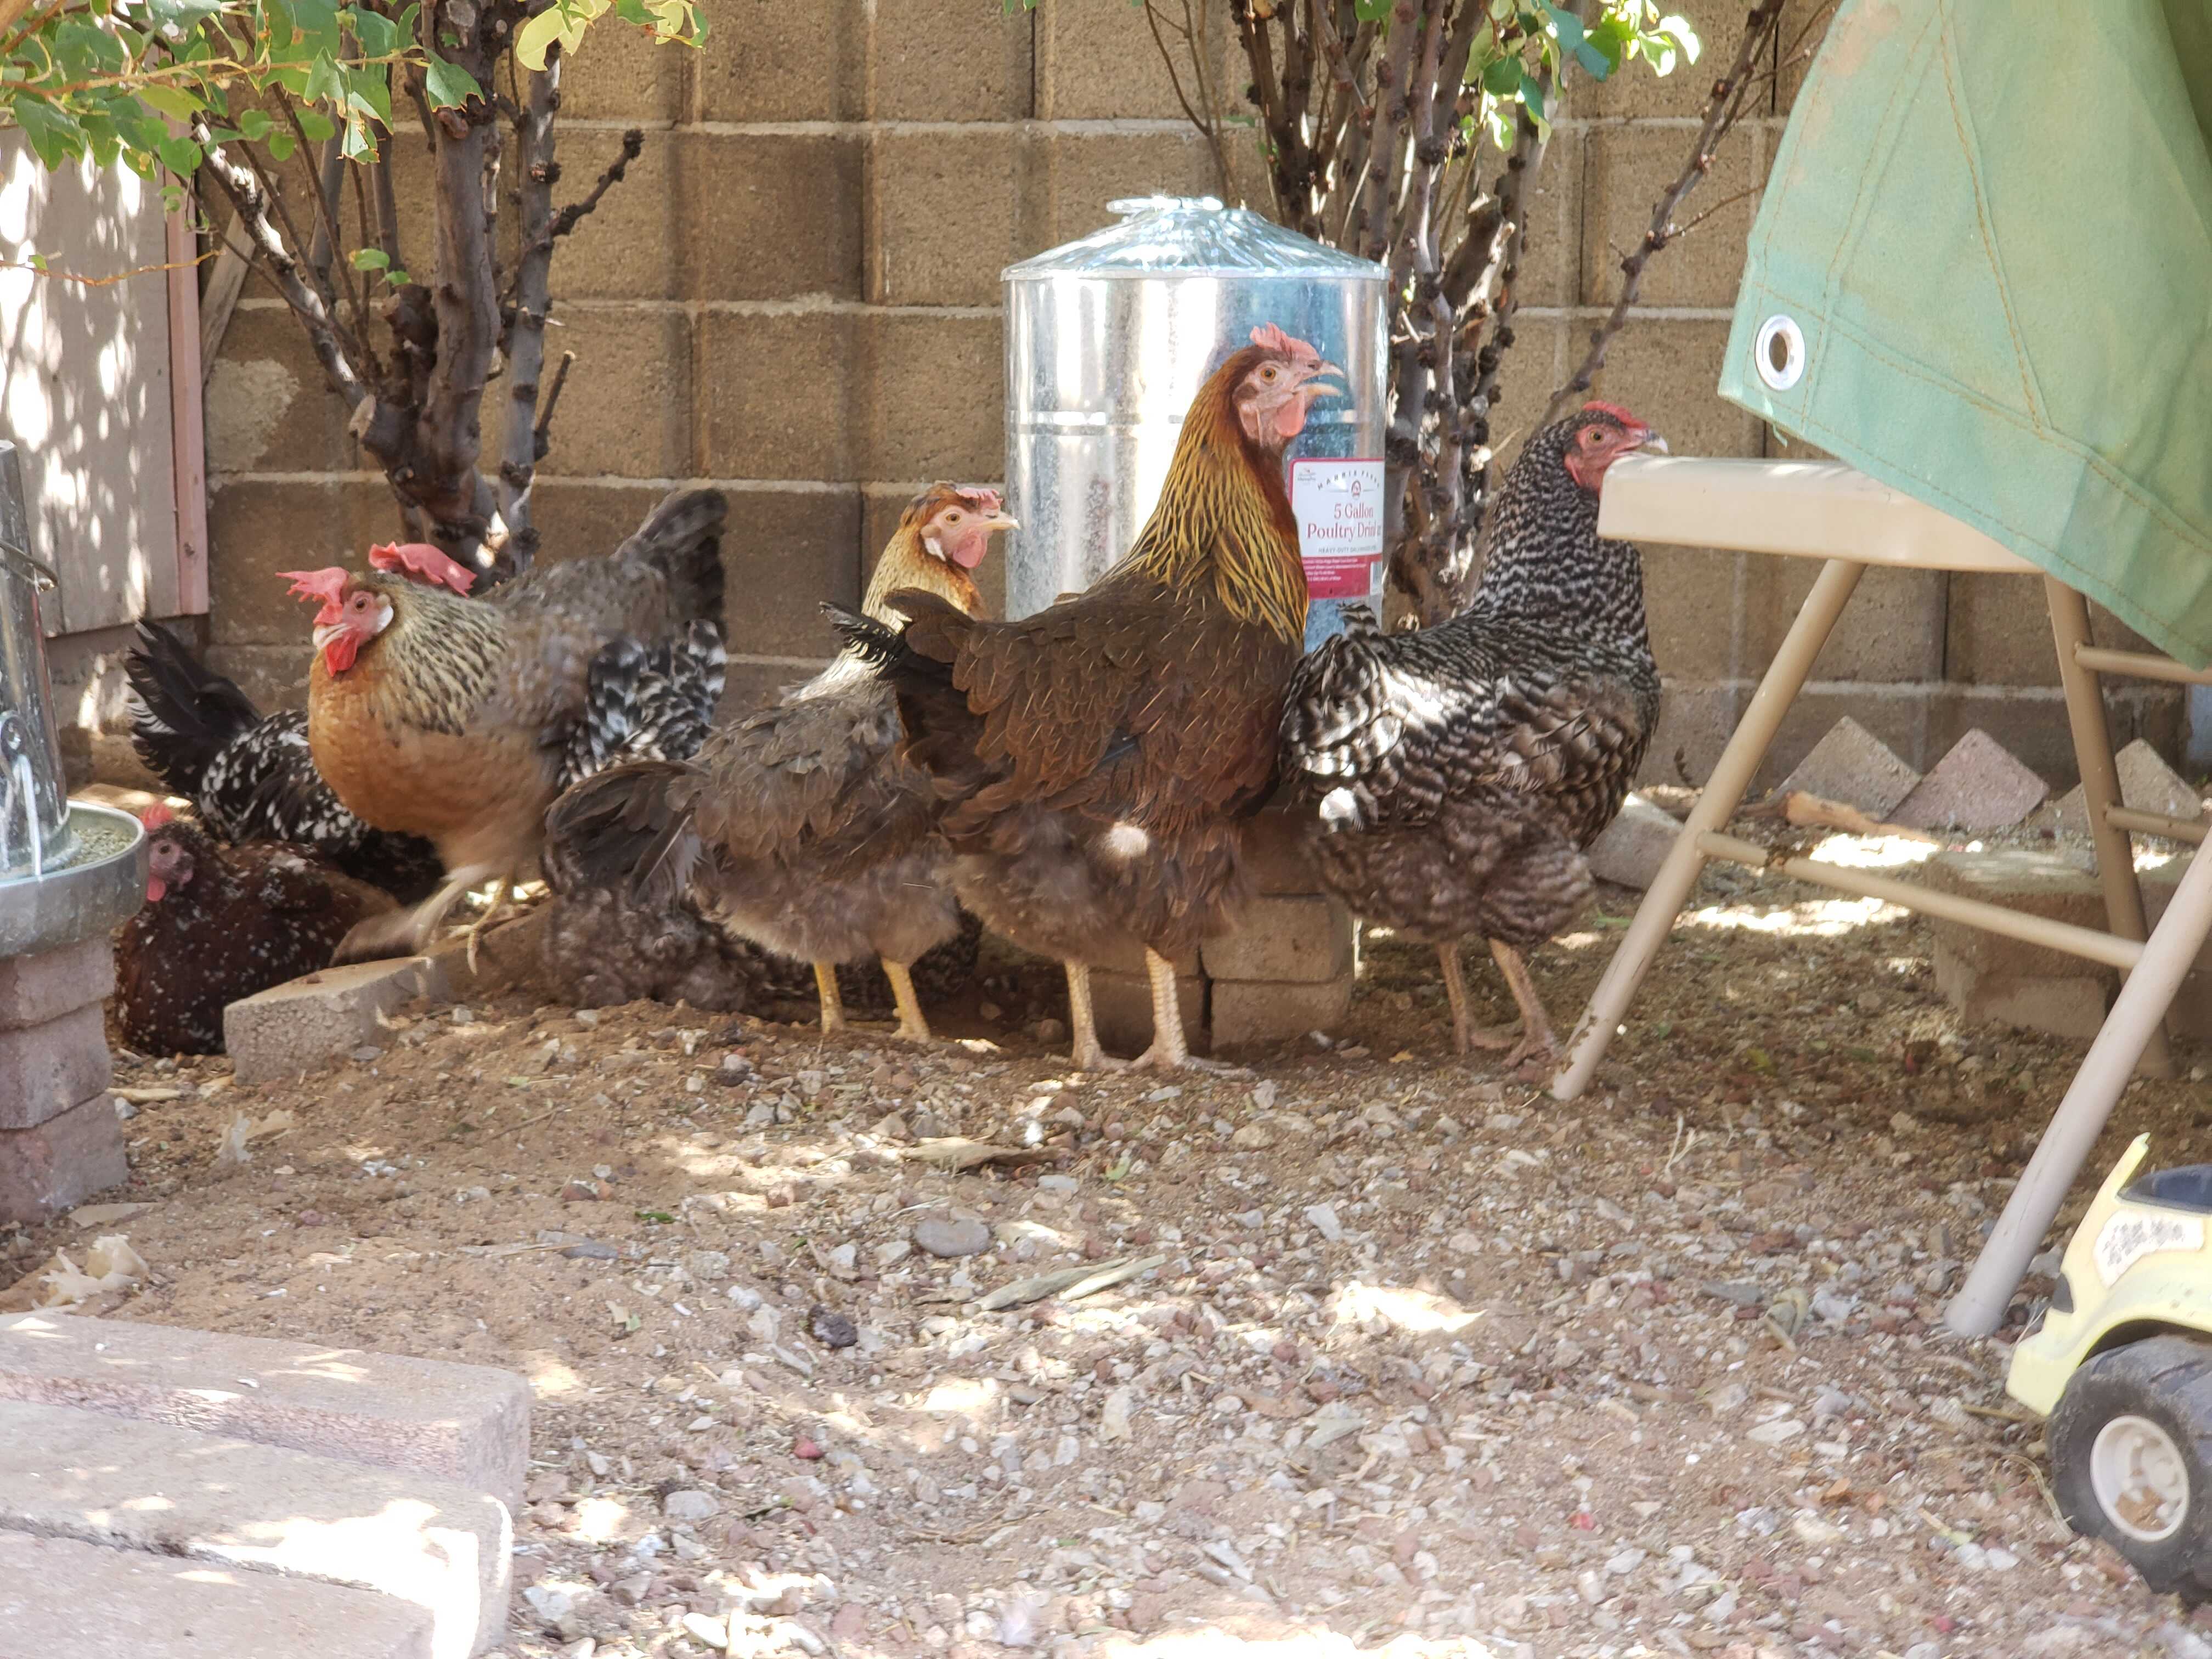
795 295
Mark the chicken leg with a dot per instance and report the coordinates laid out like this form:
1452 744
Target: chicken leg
1083 1024
1170 1052
1537 1044
1465 1034
500 890
833 1005
409 933
913 1026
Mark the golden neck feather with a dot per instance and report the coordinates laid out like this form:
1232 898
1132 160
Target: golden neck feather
907 563
1223 515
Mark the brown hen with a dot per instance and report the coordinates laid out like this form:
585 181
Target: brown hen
1092 761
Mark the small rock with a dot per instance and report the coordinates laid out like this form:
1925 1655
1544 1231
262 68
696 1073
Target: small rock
831 1330
1322 1218
946 1236
556 1609
591 1250
690 1504
1775 1433
710 1633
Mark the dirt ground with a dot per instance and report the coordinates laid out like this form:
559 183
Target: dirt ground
1416 1358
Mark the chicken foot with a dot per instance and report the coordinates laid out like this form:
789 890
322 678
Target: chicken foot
500 890
1170 1052
833 1003
409 933
1537 1046
1465 1034
913 1026
1083 1024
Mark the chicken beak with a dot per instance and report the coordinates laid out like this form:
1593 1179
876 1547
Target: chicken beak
1317 385
326 633
1002 521
1653 444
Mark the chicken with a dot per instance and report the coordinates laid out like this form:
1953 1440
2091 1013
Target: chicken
220 923
799 828
1093 761
248 775
1452 777
433 715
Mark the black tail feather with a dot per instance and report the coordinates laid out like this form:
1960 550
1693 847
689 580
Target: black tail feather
682 538
621 829
182 713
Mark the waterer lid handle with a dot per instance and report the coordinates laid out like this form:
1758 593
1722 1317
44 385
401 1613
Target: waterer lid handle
1128 207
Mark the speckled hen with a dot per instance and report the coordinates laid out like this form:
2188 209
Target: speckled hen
800 828
1452 777
220 923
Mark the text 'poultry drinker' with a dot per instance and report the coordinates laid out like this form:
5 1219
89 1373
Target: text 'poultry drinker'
1107 340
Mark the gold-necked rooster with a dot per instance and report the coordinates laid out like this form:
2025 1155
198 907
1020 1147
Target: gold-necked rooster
1092 761
458 720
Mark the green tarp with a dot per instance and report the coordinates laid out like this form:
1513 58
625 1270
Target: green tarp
1982 273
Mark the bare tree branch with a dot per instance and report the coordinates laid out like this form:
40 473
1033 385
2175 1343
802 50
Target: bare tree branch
537 173
576 213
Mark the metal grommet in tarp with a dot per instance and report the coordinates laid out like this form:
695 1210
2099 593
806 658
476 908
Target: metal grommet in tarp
1779 352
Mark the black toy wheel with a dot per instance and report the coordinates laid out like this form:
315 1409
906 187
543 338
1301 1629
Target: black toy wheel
2131 1458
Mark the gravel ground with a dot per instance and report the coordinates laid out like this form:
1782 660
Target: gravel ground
1378 1349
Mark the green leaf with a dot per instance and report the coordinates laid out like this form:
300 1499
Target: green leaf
171 101
370 258
1503 77
1532 98
448 84
398 277
1372 11
53 132
661 1217
1678 28
180 155
254 125
281 146
317 126
326 81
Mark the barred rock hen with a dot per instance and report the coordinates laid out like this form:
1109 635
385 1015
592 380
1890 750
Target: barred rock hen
433 715
799 828
1453 776
248 775
1093 761
220 923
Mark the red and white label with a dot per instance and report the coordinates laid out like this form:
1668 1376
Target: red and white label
1338 505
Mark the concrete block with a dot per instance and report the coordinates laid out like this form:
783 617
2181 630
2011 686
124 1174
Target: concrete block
1890 632
1128 957
2147 783
920 367
37 988
269 408
625 75
932 237
1248 1010
127 1484
2071 1005
1998 631
793 551
1551 249
784 412
1628 168
1634 845
1101 63
794 199
1122 1003
47 1068
60 1164
785 63
306 1024
1084 170
1977 786
1695 723
1852 765
62 1600
1690 598
632 381
948 60
1274 858
2061 886
1299 938
466 1424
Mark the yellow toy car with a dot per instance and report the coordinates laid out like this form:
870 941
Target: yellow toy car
2122 1365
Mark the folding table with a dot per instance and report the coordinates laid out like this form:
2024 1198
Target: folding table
1832 512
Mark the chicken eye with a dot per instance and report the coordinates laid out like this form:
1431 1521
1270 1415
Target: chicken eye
952 517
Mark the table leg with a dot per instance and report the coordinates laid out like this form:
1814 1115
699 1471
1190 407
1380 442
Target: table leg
1723 793
2100 786
2096 1089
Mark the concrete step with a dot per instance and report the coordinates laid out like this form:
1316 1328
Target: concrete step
230 1505
62 1600
468 1424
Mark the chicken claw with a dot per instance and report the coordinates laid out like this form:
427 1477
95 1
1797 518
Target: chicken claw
1084 1052
833 1005
913 1026
1170 1052
499 893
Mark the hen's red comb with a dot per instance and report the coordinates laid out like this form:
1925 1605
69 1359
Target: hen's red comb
326 585
1618 413
983 501
419 559
1272 338
156 816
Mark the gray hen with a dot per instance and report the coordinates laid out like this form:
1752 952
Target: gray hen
800 829
1452 777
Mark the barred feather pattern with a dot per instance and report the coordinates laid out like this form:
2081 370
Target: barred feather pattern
648 704
1452 776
